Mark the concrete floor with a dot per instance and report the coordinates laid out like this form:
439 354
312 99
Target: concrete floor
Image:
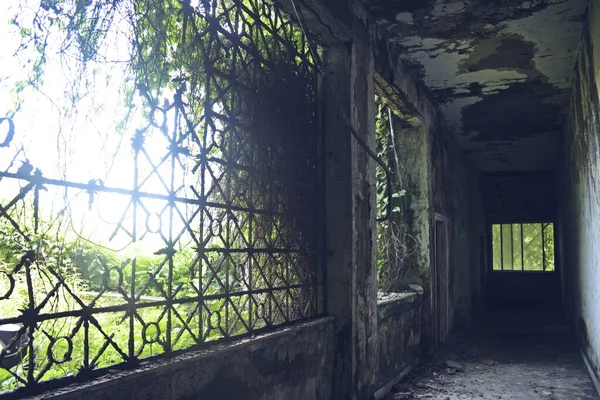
503 357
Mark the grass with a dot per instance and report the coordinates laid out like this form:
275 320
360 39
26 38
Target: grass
108 333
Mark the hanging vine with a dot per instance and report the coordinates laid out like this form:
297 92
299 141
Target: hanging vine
219 111
395 245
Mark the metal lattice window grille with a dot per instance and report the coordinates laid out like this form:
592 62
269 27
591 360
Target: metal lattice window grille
209 227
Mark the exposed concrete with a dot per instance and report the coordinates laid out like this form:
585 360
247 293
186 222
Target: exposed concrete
399 335
350 274
293 363
439 179
412 142
500 71
364 213
580 205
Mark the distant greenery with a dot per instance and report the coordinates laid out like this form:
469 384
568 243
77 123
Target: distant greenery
527 247
88 274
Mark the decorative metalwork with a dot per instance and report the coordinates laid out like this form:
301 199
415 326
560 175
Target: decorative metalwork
221 217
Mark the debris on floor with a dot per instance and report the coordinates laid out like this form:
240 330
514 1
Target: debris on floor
493 367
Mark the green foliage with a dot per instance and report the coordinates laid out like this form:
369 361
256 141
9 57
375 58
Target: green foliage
87 271
523 247
180 62
392 235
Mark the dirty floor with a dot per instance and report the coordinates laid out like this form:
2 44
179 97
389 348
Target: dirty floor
503 357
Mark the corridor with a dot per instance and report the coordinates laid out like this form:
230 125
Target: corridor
300 199
526 357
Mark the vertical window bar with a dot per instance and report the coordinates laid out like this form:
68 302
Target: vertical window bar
543 247
501 248
519 240
522 250
512 246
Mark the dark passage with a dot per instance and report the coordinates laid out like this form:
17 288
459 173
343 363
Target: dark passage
504 356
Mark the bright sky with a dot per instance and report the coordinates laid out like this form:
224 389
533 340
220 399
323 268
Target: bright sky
81 145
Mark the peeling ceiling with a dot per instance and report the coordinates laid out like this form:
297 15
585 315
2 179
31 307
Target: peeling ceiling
500 70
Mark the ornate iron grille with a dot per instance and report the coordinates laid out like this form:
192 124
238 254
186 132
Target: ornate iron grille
221 216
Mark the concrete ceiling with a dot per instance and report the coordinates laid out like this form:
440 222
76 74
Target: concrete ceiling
500 70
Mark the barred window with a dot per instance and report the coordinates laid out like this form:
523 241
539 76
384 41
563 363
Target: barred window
195 220
523 247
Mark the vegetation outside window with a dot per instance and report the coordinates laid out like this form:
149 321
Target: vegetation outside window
161 182
523 247
394 243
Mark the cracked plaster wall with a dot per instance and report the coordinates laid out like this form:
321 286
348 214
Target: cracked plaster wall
580 194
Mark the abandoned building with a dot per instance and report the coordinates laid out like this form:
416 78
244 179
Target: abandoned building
311 199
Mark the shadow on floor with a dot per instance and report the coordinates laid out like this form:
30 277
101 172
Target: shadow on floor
503 356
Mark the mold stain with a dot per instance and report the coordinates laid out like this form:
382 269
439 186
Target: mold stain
523 110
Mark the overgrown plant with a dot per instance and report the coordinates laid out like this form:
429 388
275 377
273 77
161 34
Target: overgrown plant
395 245
228 99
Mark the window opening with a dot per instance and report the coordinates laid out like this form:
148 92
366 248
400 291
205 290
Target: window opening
394 243
523 247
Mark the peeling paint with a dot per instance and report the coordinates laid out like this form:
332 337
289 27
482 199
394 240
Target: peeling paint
512 56
556 31
453 110
443 9
405 17
517 113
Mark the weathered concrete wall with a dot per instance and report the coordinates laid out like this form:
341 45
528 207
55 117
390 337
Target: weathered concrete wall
526 196
580 200
440 179
350 212
295 363
411 141
521 197
450 188
457 196
399 324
